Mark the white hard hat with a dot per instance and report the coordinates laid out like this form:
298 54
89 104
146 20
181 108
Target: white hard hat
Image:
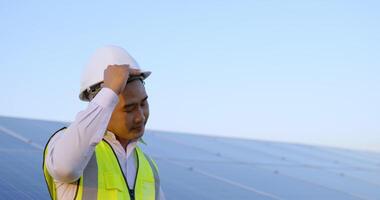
104 56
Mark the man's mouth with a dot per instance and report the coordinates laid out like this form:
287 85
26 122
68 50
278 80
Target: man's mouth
138 128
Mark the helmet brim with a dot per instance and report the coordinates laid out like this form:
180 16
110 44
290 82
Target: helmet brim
145 74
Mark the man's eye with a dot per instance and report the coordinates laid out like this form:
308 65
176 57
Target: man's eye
129 109
144 102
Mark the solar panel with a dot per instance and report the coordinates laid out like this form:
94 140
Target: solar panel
181 182
206 167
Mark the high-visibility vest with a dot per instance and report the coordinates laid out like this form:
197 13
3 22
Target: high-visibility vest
103 177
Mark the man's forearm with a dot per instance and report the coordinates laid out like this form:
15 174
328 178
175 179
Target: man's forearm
70 152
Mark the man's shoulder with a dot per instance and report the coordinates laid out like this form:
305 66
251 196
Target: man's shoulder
56 133
59 130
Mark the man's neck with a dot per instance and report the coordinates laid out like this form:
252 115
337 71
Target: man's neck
124 142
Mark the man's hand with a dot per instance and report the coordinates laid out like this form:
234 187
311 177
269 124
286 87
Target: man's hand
116 76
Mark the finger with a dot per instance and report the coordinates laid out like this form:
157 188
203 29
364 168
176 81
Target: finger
135 72
125 65
116 66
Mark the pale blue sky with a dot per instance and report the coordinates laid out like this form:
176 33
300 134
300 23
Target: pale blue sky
296 71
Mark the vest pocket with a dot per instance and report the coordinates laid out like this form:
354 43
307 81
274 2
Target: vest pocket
148 189
114 181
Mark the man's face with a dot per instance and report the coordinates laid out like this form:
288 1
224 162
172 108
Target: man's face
131 113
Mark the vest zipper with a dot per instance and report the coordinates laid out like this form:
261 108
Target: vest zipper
132 191
131 194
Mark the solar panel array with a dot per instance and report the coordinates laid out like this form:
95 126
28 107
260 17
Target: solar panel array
205 167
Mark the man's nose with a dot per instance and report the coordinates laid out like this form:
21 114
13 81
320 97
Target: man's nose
139 117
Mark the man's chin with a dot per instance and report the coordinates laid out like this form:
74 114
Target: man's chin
138 132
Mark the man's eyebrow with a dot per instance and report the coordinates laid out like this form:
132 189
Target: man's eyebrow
132 104
145 98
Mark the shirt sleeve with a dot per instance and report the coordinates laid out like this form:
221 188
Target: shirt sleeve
69 152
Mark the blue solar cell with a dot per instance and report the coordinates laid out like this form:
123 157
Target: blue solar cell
36 130
370 176
325 178
326 154
360 156
270 181
183 183
21 175
209 146
159 147
9 143
301 154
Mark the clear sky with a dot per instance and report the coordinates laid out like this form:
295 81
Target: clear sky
296 71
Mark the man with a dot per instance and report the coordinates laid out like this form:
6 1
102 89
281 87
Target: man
97 156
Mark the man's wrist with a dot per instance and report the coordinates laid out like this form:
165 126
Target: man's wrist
114 89
106 97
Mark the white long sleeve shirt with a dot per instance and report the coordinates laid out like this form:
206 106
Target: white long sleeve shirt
69 153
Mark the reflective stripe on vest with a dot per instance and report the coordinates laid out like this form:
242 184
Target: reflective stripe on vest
103 177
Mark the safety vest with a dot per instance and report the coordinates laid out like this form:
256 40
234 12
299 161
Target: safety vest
103 177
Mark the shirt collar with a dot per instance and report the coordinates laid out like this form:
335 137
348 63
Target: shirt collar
110 137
